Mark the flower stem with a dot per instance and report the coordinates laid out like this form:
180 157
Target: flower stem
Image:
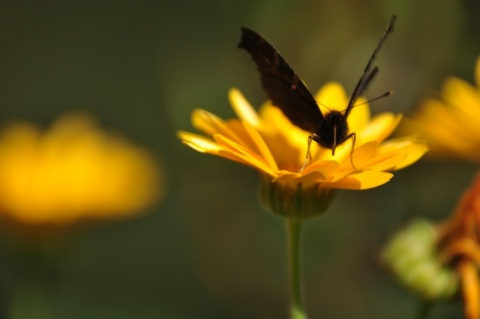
36 276
294 227
423 309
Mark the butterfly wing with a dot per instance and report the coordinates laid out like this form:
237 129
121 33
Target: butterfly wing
283 86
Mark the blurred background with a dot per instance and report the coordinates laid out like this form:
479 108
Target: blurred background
208 250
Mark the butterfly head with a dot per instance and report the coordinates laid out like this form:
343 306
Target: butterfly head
332 130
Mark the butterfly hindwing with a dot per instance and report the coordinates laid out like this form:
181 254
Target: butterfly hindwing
283 86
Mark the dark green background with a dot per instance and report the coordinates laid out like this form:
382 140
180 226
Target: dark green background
209 250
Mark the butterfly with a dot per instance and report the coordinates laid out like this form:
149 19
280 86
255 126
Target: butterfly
288 92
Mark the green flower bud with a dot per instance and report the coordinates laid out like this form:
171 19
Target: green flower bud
412 257
296 202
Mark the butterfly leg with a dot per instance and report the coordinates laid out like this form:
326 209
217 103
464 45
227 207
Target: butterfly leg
354 136
308 156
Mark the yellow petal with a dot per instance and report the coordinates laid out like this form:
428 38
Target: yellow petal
331 96
364 180
316 172
342 151
461 94
243 108
287 142
262 148
387 156
394 154
386 161
328 167
199 143
412 148
466 99
359 116
380 127
212 124
444 129
243 136
274 119
361 156
246 155
470 288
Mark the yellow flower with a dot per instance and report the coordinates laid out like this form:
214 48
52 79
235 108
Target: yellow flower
270 143
72 172
450 124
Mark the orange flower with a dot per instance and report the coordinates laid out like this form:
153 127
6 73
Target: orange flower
459 243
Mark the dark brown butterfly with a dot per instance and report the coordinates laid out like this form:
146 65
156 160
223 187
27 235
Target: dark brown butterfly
289 93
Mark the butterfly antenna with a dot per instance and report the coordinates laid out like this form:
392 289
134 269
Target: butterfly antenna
388 93
368 74
324 105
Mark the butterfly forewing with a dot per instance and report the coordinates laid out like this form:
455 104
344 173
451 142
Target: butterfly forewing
283 86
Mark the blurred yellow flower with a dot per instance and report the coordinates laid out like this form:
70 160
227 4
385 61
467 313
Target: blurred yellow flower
451 124
72 172
270 143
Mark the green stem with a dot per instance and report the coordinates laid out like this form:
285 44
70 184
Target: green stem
423 309
36 277
297 310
